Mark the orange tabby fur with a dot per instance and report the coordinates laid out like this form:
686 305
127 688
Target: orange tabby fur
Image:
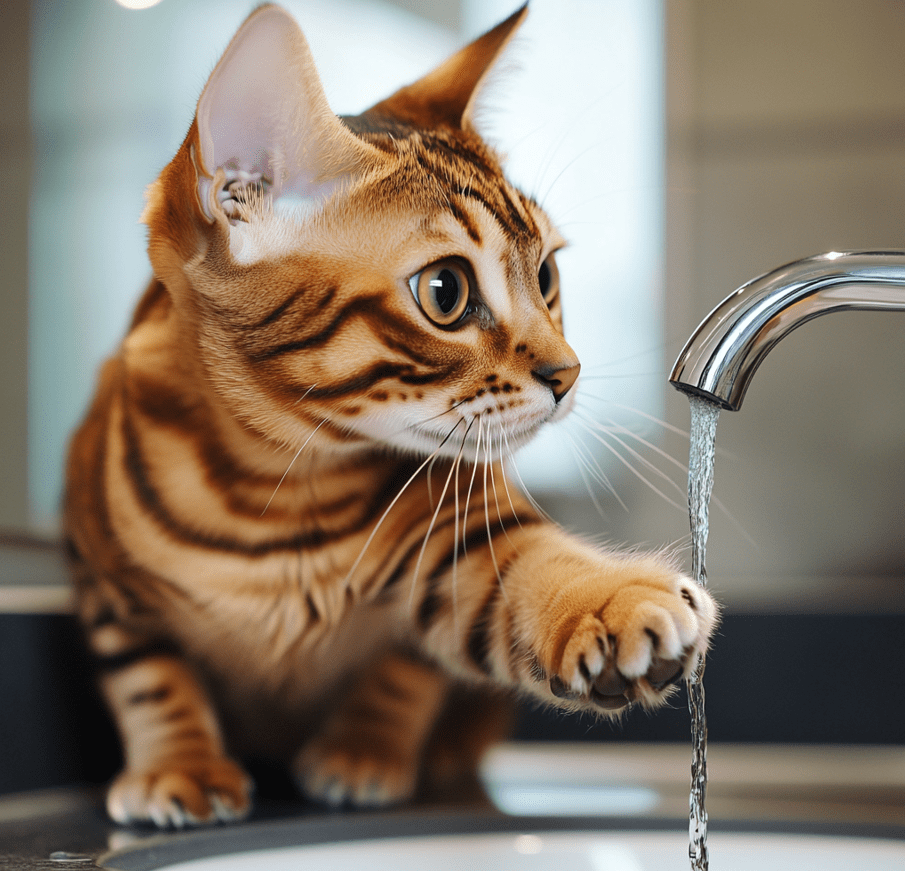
289 524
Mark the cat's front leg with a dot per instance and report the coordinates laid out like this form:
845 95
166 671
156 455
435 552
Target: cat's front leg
176 773
569 624
369 751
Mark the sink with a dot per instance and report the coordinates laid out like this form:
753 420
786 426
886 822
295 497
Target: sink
540 850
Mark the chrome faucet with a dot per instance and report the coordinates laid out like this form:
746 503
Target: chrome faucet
720 358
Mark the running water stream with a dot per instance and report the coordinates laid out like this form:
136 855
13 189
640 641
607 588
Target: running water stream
704 417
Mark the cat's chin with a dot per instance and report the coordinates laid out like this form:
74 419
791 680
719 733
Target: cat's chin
475 439
469 447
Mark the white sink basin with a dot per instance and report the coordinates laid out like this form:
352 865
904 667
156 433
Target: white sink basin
569 851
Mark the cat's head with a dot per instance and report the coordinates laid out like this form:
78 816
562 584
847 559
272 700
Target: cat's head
374 276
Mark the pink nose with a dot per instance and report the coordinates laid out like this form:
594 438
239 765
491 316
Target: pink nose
560 381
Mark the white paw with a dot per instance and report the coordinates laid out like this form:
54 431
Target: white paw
641 642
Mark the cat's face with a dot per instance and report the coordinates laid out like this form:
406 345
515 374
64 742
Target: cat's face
379 281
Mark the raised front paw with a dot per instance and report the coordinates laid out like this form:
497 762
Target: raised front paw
180 793
644 637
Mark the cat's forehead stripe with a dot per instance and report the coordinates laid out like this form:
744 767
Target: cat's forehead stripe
459 164
466 221
501 206
482 182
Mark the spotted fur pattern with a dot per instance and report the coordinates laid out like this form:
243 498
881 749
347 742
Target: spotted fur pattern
290 524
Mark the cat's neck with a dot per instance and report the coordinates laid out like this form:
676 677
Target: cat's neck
164 374
299 453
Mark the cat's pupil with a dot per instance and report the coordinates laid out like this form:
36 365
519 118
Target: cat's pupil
446 290
544 276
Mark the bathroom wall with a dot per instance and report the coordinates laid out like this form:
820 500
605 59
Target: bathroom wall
793 136
786 137
15 154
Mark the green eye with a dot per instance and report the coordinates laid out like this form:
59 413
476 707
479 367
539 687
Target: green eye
548 278
443 290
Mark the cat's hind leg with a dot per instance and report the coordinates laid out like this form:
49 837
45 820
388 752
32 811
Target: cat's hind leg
369 750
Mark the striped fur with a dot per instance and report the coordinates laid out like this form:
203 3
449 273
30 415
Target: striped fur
290 526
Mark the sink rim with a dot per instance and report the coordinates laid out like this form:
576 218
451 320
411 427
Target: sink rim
160 850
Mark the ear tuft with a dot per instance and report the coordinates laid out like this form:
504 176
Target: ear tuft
263 118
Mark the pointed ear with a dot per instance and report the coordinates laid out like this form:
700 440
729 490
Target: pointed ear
263 112
447 95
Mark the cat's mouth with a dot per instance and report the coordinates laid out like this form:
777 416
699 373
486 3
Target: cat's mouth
469 430
478 439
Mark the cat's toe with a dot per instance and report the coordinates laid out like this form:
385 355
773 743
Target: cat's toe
355 776
178 796
644 640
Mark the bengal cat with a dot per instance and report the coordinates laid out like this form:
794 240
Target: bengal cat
290 525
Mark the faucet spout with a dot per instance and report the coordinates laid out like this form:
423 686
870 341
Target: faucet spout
720 358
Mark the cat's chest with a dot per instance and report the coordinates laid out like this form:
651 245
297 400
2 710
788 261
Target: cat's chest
286 645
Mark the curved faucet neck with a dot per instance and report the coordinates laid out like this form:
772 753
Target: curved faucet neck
719 360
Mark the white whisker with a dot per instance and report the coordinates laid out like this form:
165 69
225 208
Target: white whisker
396 498
505 435
650 446
595 435
662 423
496 567
580 462
622 376
474 471
588 465
568 130
305 394
496 498
455 567
569 164
430 529
647 463
718 503
422 424
291 462
430 489
527 493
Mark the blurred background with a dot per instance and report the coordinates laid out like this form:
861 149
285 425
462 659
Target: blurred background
683 146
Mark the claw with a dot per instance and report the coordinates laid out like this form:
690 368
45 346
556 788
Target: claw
224 811
172 816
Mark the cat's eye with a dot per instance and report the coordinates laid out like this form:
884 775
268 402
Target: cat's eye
443 290
548 278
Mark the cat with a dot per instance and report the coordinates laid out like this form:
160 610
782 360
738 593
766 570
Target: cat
287 513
